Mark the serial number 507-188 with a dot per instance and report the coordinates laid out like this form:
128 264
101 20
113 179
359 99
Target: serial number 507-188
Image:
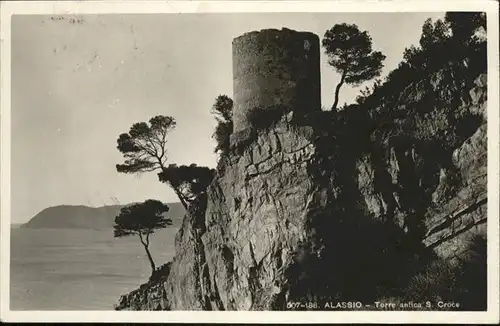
301 305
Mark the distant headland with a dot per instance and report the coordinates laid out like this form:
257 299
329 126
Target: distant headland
85 217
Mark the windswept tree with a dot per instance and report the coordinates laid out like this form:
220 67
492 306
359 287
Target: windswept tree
223 112
144 150
350 53
144 146
142 219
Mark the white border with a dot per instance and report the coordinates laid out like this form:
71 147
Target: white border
291 317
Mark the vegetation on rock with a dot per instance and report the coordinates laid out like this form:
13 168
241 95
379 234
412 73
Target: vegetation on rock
190 181
223 112
142 219
144 150
453 43
350 53
462 283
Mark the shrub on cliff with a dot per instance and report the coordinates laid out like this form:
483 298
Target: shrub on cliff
261 120
463 282
160 273
223 112
437 282
264 119
190 181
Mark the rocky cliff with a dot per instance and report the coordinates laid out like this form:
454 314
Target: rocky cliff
340 205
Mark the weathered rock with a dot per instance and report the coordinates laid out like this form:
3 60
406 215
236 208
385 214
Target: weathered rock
456 179
301 212
150 296
255 218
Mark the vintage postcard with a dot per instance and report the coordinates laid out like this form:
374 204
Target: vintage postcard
250 161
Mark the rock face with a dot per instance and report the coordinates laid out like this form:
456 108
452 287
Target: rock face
436 172
302 209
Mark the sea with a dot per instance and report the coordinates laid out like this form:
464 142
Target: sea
79 269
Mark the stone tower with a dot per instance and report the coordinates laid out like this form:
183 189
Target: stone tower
275 69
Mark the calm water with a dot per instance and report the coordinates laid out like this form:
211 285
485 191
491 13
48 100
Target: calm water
79 269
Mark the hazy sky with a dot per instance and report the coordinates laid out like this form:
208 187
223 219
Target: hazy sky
77 86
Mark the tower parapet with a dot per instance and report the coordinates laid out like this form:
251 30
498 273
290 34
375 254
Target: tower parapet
275 69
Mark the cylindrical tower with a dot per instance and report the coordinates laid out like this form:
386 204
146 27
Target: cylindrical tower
275 69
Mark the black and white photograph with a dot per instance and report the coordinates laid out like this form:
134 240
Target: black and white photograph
203 157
